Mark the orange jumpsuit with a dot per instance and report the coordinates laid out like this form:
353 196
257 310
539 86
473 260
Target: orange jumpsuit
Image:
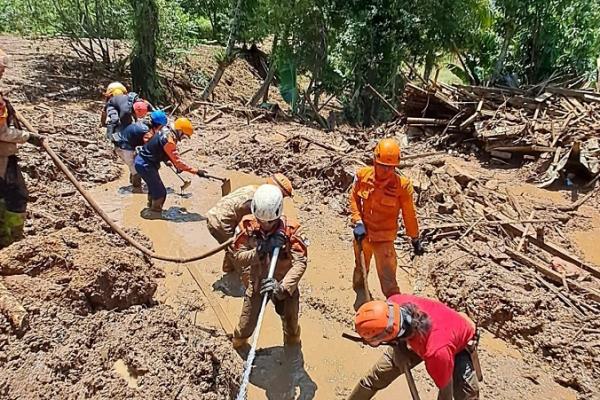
377 205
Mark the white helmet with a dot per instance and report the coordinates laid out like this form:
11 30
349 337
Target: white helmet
267 203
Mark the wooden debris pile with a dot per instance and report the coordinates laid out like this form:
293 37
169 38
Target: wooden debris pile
555 124
485 219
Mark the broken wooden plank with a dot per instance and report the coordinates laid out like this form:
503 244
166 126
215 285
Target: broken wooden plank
549 247
487 223
551 274
385 101
525 233
523 149
579 202
427 121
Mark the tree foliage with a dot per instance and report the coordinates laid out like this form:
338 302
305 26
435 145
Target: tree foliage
341 46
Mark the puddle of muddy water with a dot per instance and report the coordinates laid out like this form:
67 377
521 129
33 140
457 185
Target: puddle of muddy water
327 364
327 367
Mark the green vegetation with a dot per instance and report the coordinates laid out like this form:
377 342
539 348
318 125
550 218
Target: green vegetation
340 46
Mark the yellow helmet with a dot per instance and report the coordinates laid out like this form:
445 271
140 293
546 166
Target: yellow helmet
184 125
115 89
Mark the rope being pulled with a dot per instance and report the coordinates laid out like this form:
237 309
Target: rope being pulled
116 228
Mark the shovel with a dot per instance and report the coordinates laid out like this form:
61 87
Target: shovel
225 183
186 183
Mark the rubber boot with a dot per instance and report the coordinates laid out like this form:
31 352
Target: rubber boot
228 262
12 228
239 343
155 210
361 393
136 182
4 231
292 340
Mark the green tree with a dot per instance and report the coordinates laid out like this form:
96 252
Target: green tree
224 60
144 57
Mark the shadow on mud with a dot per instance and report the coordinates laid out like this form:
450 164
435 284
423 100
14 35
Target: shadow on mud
280 372
230 284
181 214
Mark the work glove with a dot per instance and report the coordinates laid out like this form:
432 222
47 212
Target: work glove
35 139
273 288
201 173
359 231
418 247
265 247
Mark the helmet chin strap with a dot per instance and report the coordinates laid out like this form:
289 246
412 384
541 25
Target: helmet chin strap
406 321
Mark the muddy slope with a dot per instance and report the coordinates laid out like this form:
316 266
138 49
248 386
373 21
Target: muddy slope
95 330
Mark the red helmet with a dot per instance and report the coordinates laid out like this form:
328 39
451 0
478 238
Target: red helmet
378 321
140 109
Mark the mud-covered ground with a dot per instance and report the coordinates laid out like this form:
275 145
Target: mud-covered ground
97 330
94 328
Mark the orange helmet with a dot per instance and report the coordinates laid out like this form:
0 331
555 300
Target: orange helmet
184 126
387 152
282 181
378 321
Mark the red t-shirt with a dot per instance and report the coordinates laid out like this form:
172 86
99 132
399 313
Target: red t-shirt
450 332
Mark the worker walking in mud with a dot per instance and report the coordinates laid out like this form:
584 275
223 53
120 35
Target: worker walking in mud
162 148
377 197
136 135
121 110
258 234
419 329
225 216
13 192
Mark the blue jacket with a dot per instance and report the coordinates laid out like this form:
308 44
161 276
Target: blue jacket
133 135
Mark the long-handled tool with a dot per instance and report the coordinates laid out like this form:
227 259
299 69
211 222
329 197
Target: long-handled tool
252 354
410 380
363 270
186 183
225 183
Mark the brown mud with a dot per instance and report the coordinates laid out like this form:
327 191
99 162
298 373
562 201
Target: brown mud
106 322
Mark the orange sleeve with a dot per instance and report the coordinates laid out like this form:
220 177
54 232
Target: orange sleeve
171 149
355 201
409 215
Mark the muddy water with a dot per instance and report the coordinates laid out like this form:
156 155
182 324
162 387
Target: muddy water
327 366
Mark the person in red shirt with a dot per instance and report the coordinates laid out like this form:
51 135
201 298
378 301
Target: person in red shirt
418 329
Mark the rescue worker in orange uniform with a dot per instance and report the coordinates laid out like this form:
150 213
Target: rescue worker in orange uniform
377 197
258 234
225 216
420 329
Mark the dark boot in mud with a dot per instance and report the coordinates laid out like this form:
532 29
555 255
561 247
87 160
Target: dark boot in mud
155 210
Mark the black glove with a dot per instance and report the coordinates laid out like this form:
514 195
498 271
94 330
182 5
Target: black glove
273 288
269 244
359 232
418 247
35 139
201 173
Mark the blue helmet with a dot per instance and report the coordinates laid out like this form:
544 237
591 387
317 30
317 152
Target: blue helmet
158 117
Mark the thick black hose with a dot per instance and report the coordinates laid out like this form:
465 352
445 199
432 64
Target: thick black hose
116 228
